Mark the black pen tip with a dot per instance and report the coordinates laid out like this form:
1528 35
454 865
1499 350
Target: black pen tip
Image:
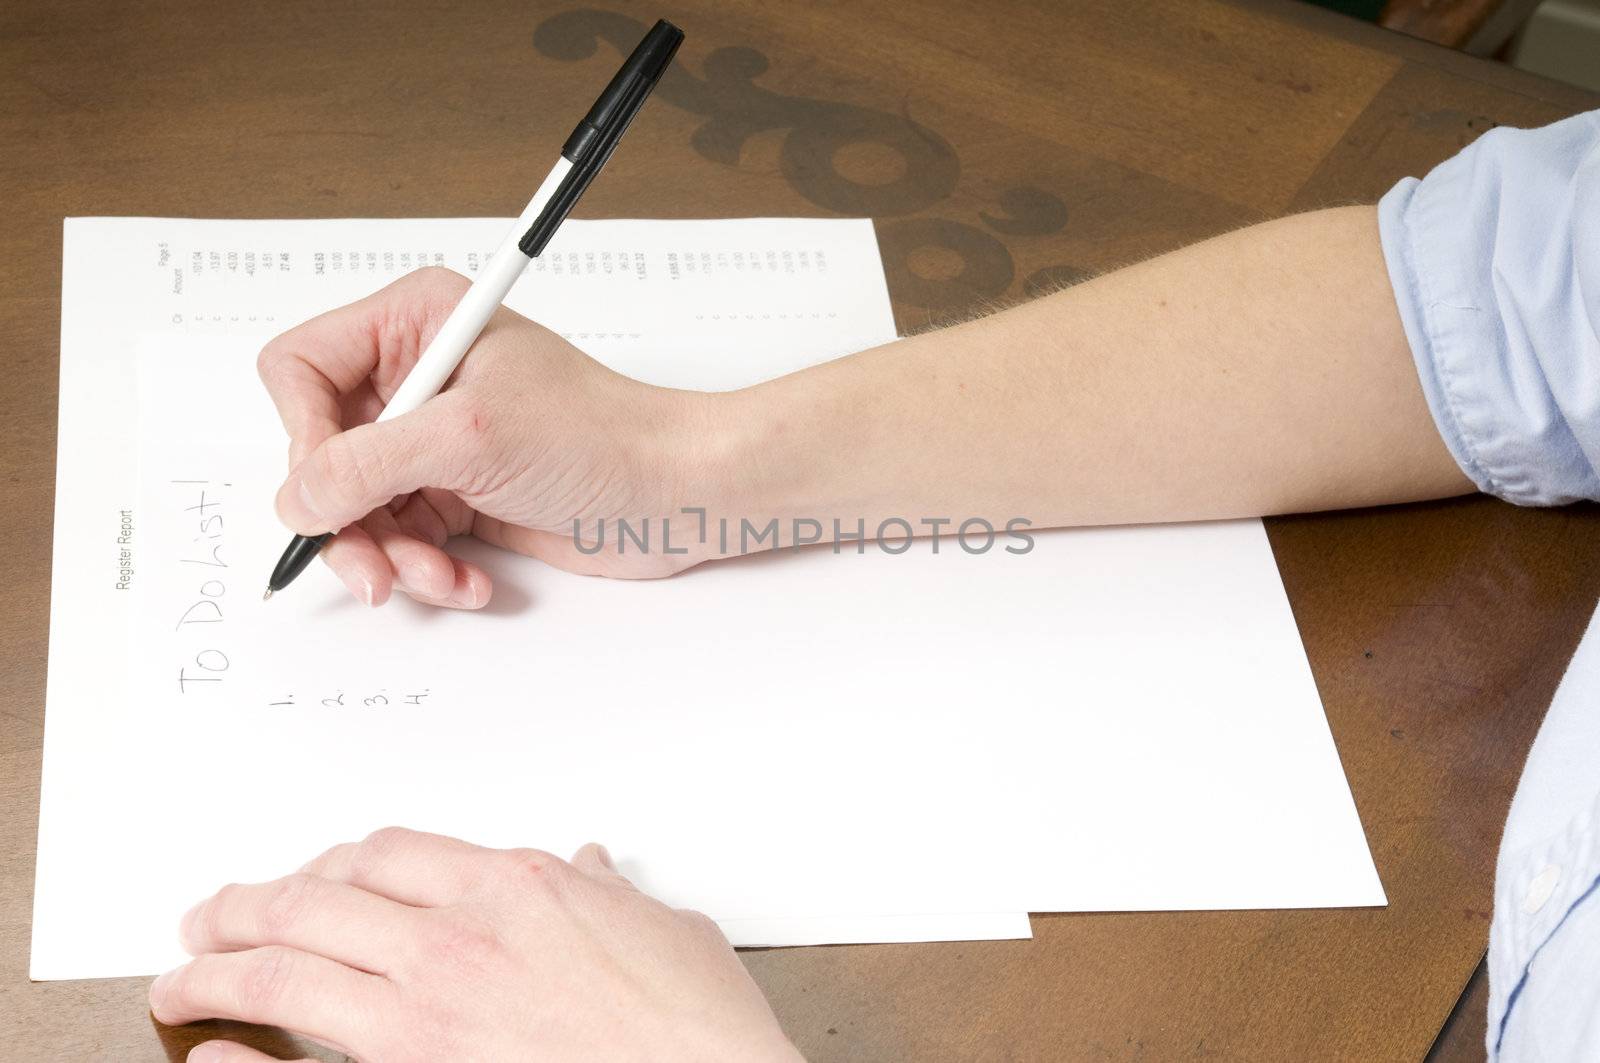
267 595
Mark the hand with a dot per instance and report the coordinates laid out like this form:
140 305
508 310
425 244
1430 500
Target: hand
411 946
530 436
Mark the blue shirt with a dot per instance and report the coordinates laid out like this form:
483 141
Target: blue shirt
1495 262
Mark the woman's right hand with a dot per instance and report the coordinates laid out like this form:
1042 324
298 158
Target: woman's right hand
530 436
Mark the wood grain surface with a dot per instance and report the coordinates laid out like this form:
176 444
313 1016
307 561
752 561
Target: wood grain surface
1003 148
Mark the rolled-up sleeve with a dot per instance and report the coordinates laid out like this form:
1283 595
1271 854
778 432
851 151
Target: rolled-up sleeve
1495 261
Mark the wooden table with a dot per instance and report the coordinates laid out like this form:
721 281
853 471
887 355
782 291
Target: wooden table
1003 148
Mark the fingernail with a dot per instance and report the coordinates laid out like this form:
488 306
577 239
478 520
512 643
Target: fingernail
359 585
604 856
465 596
158 989
307 501
208 1052
414 577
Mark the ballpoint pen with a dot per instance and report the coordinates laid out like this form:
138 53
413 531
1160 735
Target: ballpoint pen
582 157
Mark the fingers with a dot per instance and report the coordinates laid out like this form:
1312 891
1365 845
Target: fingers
360 564
308 913
595 861
425 870
230 1052
421 567
277 986
470 587
420 517
423 570
308 368
388 551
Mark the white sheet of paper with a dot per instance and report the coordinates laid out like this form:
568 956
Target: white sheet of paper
821 281
1119 719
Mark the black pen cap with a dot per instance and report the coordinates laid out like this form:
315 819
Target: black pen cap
647 63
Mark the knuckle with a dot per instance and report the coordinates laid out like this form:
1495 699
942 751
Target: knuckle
441 279
264 979
533 868
208 921
374 850
200 985
329 857
209 918
202 925
268 361
287 902
182 994
346 470
385 840
700 922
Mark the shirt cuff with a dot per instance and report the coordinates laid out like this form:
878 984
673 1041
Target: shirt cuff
1435 344
1480 256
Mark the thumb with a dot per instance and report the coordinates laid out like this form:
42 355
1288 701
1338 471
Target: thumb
595 861
354 472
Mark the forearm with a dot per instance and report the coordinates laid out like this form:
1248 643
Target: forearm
1260 372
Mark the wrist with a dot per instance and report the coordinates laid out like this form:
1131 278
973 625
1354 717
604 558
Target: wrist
756 461
697 453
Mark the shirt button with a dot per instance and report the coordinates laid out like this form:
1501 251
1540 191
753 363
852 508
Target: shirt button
1540 889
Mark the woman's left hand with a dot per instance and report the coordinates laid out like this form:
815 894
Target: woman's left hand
409 946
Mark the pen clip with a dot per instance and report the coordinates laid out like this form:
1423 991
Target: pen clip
595 138
577 180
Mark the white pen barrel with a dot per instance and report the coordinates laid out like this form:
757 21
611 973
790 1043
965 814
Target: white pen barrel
460 330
